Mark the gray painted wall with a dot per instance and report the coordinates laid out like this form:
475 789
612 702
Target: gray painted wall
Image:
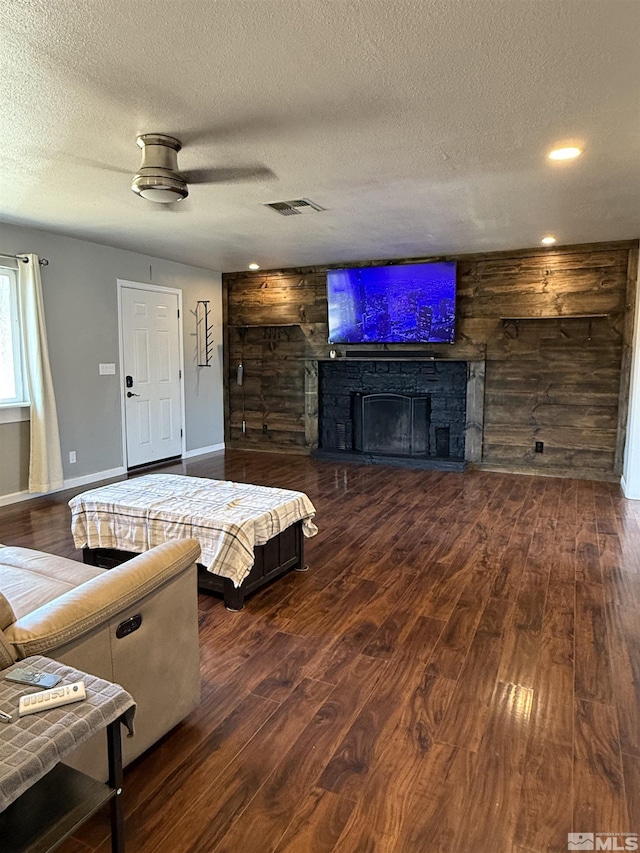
80 300
14 457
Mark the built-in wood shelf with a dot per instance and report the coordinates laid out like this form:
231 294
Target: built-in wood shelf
266 325
556 317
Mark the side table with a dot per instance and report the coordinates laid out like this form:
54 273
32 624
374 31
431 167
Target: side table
42 802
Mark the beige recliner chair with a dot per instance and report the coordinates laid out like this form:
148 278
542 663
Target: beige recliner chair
72 612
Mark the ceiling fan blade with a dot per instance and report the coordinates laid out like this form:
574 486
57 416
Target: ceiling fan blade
95 164
255 126
229 175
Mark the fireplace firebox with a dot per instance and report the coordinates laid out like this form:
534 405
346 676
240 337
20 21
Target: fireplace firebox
393 424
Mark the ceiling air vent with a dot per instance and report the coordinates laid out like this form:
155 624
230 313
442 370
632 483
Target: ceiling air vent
298 205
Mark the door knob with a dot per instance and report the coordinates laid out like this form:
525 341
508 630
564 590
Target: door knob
131 394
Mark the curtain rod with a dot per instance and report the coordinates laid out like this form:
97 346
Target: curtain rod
25 260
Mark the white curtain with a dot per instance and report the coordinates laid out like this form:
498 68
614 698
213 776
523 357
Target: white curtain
45 459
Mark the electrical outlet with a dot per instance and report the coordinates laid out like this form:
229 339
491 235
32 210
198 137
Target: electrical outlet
265 428
72 456
539 446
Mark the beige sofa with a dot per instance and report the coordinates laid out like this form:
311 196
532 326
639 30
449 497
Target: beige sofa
71 612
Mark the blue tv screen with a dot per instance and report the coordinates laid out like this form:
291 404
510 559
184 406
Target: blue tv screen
406 303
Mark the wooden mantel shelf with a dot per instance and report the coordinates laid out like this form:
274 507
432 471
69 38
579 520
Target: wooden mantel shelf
384 358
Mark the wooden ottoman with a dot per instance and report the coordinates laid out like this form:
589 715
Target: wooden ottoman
248 535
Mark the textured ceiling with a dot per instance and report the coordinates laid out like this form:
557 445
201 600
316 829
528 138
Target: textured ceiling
420 125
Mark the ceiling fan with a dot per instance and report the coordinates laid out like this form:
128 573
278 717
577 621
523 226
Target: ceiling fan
160 180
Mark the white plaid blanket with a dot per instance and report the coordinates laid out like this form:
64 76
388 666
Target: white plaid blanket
31 746
227 519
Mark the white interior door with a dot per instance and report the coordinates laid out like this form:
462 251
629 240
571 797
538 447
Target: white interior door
151 367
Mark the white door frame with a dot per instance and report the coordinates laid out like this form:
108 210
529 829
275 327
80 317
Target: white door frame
140 285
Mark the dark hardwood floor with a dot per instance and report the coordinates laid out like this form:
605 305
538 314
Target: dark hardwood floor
458 671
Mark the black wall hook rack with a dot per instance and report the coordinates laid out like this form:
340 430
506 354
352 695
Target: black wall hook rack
204 333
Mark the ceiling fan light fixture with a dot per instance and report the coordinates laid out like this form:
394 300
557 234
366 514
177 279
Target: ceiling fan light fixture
160 188
158 178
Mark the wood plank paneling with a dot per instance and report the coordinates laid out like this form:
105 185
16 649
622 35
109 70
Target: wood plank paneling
560 381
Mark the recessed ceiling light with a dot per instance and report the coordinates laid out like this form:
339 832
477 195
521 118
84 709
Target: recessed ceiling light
548 241
564 153
254 266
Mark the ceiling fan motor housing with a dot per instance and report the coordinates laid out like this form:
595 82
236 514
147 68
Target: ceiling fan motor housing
158 178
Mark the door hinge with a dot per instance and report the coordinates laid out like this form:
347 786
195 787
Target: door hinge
180 433
179 374
178 313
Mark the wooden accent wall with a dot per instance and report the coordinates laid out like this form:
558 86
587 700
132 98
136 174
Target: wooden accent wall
555 371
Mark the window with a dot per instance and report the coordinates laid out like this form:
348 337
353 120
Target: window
12 384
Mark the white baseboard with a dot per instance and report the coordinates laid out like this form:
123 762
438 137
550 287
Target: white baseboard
628 493
200 451
74 482
93 478
86 479
15 497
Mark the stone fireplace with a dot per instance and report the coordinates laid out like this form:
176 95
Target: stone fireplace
409 412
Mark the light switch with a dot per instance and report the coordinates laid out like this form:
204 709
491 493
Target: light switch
107 369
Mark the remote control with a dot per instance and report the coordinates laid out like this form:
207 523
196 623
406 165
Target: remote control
45 699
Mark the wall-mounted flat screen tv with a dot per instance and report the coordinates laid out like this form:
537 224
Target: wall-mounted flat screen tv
400 304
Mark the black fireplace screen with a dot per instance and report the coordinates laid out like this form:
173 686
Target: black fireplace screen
394 424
